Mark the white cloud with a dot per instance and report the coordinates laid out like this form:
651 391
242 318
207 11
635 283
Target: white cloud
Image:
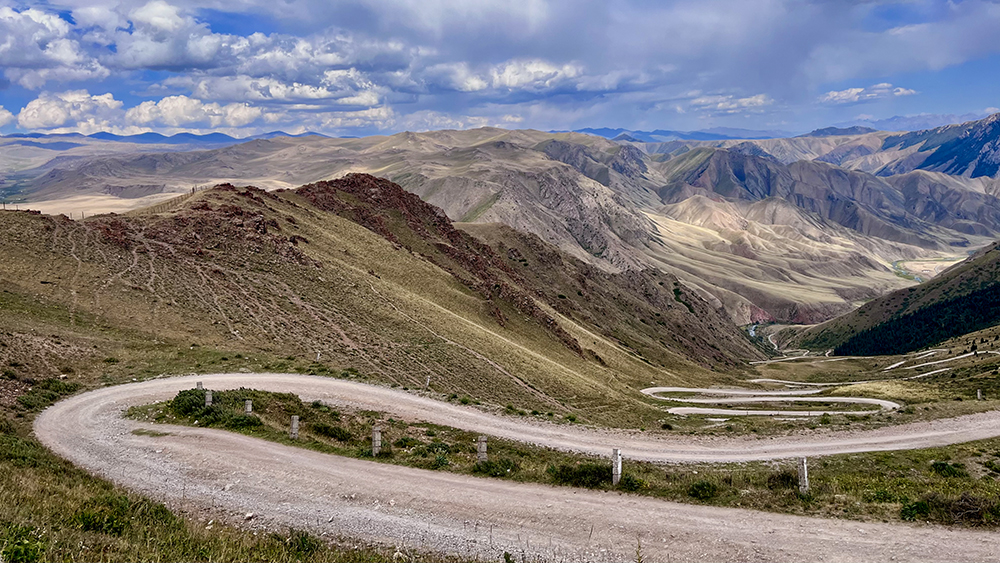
730 104
857 95
178 111
5 116
36 47
75 108
532 74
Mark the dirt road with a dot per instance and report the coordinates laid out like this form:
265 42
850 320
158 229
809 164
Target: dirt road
231 475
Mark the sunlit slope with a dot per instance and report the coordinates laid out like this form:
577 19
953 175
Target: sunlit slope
402 300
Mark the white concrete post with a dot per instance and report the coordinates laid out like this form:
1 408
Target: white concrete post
208 398
803 476
376 440
616 466
294 433
428 384
199 386
481 448
979 394
248 406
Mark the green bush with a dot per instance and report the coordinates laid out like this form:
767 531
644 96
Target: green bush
407 442
440 461
590 475
945 469
331 431
496 468
438 448
784 479
915 510
46 392
703 490
631 483
188 402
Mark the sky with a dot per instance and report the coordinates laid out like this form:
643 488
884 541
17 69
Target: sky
360 67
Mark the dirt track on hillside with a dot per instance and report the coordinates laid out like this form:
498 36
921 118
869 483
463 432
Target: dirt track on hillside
229 475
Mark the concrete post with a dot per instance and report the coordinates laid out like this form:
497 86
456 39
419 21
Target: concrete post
481 449
979 394
616 466
376 440
248 406
208 398
199 386
803 476
428 384
294 433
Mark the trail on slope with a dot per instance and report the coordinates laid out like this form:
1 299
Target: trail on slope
232 474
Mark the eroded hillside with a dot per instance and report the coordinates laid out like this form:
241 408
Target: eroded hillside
363 275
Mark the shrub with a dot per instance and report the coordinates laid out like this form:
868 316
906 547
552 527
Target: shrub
590 475
497 468
440 461
915 510
667 426
631 483
407 442
188 402
703 490
240 421
331 431
945 469
438 448
784 479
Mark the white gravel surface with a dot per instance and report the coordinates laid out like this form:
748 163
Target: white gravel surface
229 475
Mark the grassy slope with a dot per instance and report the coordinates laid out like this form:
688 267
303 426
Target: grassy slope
919 316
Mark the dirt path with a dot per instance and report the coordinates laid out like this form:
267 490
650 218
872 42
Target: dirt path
230 475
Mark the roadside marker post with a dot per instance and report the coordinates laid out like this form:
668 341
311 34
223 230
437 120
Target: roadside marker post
294 432
481 449
803 476
248 406
208 398
376 440
616 466
199 385
979 394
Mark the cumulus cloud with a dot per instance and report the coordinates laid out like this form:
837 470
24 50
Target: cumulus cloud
5 116
871 93
179 111
75 108
37 46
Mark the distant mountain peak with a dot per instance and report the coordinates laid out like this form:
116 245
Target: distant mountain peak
840 131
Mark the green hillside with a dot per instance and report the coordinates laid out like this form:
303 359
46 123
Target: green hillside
963 299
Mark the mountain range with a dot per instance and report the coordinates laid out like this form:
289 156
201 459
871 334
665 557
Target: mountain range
794 229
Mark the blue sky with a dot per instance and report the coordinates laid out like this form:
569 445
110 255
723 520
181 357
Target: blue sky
381 66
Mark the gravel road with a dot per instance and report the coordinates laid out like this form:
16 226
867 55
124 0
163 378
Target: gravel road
227 475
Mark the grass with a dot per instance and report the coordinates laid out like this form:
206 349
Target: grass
952 485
